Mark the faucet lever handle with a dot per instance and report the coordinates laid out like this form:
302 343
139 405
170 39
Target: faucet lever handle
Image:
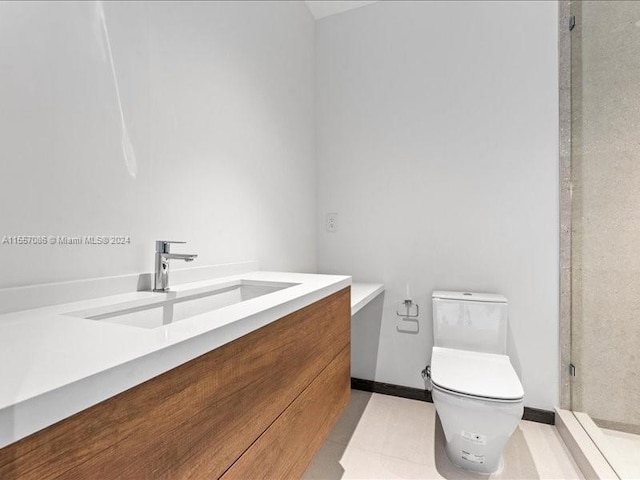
162 246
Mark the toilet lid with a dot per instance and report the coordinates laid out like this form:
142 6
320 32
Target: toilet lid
485 375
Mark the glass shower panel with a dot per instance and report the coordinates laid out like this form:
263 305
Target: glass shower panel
605 101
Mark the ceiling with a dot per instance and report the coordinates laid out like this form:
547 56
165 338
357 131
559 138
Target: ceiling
324 8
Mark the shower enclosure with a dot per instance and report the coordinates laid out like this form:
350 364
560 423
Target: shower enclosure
605 228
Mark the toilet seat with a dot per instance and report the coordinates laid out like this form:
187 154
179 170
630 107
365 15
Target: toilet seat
475 397
485 376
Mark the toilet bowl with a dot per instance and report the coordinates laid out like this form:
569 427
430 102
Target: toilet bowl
476 391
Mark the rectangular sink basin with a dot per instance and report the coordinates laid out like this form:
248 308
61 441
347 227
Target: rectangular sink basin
183 305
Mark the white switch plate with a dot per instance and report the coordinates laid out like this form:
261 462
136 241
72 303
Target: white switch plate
332 222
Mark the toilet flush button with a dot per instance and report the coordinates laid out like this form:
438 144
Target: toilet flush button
474 437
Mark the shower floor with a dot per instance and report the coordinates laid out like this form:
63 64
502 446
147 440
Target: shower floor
627 447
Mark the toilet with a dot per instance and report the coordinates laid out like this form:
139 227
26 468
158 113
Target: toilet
475 389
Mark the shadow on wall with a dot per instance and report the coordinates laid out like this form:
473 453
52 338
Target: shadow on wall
512 351
519 465
365 339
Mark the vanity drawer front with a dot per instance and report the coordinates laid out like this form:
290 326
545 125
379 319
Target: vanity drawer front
286 448
196 420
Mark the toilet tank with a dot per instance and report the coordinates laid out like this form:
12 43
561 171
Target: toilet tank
470 321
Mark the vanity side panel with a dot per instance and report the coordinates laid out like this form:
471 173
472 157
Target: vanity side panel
288 445
197 419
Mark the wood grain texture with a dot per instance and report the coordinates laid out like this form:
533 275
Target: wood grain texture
194 421
285 449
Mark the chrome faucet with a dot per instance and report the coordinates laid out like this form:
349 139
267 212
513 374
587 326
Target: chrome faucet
161 278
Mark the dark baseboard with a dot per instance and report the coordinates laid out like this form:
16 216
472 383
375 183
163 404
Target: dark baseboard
531 414
390 389
539 415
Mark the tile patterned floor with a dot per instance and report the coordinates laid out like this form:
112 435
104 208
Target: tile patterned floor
380 436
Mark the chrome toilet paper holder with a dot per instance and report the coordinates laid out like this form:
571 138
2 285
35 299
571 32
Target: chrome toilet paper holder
408 305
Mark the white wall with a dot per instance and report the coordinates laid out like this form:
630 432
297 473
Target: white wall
217 101
437 141
436 144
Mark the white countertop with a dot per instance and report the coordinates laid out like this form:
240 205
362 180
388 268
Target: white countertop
363 293
55 365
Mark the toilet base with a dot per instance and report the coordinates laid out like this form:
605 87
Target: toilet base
476 430
473 461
